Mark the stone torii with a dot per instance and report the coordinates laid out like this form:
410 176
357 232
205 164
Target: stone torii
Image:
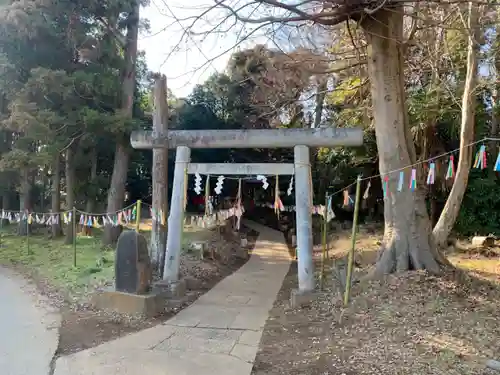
300 139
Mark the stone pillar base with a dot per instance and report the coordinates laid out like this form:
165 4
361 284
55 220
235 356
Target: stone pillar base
171 289
147 305
299 298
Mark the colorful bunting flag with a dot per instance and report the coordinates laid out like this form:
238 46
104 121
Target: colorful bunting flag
480 161
413 180
346 198
450 173
431 176
401 181
497 164
366 194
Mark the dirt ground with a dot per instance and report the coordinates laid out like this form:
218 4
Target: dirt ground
410 323
82 327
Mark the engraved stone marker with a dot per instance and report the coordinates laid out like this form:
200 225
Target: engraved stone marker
132 264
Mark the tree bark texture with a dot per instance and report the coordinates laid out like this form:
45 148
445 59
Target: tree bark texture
56 228
160 176
70 190
116 193
452 207
24 200
407 240
90 204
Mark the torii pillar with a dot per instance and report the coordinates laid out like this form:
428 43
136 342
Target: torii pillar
299 139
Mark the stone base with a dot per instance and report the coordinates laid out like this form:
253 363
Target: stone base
300 298
170 289
148 305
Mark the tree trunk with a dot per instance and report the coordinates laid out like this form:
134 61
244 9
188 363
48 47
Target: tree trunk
91 198
90 204
160 176
70 190
320 101
116 193
45 183
24 201
56 228
452 207
407 240
6 200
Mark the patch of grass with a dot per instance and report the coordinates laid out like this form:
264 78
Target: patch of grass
52 260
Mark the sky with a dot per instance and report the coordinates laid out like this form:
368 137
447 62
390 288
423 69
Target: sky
196 57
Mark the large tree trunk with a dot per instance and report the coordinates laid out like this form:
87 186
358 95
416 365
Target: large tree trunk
56 195
452 207
407 240
24 201
45 183
91 198
116 193
160 176
70 190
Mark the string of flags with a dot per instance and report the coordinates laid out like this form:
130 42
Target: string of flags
122 217
216 218
480 162
315 210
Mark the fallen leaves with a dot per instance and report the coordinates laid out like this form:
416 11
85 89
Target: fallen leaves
410 323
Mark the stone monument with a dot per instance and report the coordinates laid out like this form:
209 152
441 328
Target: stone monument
132 264
133 273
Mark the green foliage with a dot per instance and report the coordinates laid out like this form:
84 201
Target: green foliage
480 212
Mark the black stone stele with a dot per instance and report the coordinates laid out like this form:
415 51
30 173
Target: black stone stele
132 264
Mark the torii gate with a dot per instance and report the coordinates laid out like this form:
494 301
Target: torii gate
300 139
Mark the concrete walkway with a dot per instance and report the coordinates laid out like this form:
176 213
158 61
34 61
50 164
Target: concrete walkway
219 334
28 326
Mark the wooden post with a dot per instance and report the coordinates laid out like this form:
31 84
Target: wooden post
323 240
350 262
74 236
1 229
138 216
28 232
160 175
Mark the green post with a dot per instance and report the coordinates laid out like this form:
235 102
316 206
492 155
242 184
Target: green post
324 236
350 262
28 232
1 230
138 216
74 236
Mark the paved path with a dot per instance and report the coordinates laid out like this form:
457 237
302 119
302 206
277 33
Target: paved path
28 327
219 334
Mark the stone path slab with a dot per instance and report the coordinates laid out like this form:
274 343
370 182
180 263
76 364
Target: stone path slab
28 326
218 334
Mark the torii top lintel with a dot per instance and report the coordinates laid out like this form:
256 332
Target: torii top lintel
248 138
